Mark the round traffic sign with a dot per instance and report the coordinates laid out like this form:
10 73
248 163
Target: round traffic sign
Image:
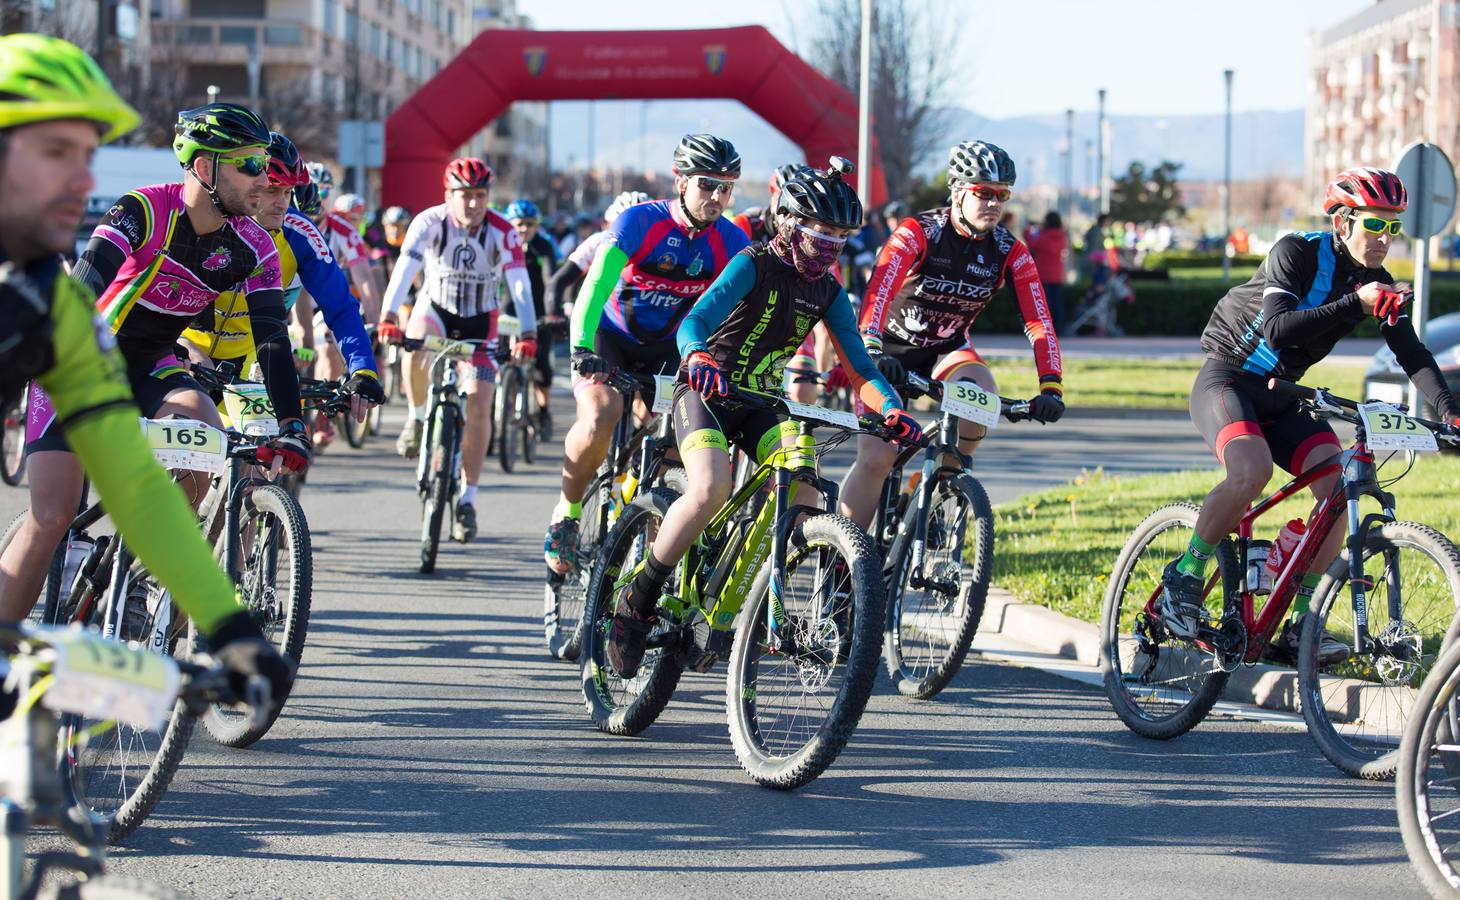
1429 177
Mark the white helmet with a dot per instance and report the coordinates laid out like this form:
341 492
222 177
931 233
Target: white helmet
622 202
346 202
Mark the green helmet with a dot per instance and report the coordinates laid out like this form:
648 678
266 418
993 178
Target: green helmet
217 128
44 78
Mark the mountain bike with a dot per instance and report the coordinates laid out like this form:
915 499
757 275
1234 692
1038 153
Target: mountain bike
1403 582
514 406
77 674
636 459
1427 784
438 468
357 431
790 595
12 438
937 543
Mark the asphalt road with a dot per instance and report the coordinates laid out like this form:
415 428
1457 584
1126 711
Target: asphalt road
431 749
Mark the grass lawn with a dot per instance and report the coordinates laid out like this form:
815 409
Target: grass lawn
1056 548
1144 383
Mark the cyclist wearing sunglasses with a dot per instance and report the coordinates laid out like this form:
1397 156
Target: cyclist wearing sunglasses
56 106
1313 289
657 259
933 278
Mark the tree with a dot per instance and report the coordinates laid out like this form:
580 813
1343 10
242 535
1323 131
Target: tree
912 58
1147 197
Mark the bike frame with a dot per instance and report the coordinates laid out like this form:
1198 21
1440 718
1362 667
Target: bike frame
1358 478
444 392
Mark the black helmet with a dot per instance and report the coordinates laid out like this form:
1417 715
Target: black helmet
779 176
705 154
217 128
306 199
979 162
822 195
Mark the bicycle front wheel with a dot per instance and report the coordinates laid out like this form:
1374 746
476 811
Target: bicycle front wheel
1357 708
355 431
621 705
793 706
504 429
563 595
276 586
1425 788
930 627
438 498
527 421
1162 686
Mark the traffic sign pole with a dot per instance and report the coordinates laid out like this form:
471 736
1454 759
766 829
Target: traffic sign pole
1429 178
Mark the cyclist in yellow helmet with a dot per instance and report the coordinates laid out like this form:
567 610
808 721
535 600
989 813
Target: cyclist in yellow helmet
56 106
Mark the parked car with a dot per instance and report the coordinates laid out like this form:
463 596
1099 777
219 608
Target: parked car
1385 380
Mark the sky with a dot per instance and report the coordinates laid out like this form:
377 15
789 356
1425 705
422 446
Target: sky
1152 56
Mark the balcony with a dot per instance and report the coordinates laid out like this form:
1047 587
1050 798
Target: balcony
227 41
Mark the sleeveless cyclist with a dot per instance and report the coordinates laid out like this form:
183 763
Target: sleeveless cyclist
931 283
647 275
751 321
305 263
92 403
1301 301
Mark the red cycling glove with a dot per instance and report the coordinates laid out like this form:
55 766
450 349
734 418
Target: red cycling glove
1390 304
903 425
705 376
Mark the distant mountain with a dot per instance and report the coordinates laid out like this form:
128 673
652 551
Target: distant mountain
1263 143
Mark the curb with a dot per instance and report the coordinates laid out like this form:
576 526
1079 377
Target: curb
1058 635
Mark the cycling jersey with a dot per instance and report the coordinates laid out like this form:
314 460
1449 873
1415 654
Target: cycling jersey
94 406
305 262
345 242
754 223
155 273
931 282
462 269
1297 306
539 252
755 316
648 273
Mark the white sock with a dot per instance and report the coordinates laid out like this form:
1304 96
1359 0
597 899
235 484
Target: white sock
468 495
418 413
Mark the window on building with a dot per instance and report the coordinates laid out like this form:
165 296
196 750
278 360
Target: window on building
451 22
390 56
329 88
228 9
352 27
374 40
328 18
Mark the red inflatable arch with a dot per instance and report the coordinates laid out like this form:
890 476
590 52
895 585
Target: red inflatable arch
500 66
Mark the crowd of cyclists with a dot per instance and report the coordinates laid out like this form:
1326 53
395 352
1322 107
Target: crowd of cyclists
251 257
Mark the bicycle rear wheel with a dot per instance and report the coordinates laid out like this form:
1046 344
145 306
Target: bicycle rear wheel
618 705
1357 709
355 432
564 595
929 628
527 421
276 586
504 429
12 442
1425 788
121 772
437 501
792 708
1162 686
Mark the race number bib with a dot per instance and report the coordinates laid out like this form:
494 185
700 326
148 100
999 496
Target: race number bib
186 444
103 679
839 417
663 394
448 347
972 403
511 326
1390 429
250 409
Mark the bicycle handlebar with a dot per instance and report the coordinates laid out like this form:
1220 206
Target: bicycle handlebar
1321 402
1011 409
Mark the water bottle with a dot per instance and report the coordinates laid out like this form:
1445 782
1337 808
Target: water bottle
1283 547
77 550
1258 579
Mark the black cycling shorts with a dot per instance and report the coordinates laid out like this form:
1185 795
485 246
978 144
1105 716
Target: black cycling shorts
627 355
700 423
1227 402
151 383
542 365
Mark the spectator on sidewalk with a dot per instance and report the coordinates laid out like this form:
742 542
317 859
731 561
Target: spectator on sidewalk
1096 257
1047 244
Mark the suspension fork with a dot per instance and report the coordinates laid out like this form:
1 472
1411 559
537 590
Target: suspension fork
1354 489
917 514
776 608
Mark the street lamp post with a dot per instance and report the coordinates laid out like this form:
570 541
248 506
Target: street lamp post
1069 174
864 110
1100 153
1227 185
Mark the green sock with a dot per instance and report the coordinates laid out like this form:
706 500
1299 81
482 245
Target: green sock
567 509
1194 561
1305 593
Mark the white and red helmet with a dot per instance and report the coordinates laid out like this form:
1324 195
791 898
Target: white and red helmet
1365 187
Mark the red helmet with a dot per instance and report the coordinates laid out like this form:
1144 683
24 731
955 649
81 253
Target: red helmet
286 166
1363 186
467 172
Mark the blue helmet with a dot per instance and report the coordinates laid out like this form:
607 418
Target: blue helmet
523 209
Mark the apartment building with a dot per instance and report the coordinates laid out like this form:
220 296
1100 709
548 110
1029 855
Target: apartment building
304 64
1382 78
